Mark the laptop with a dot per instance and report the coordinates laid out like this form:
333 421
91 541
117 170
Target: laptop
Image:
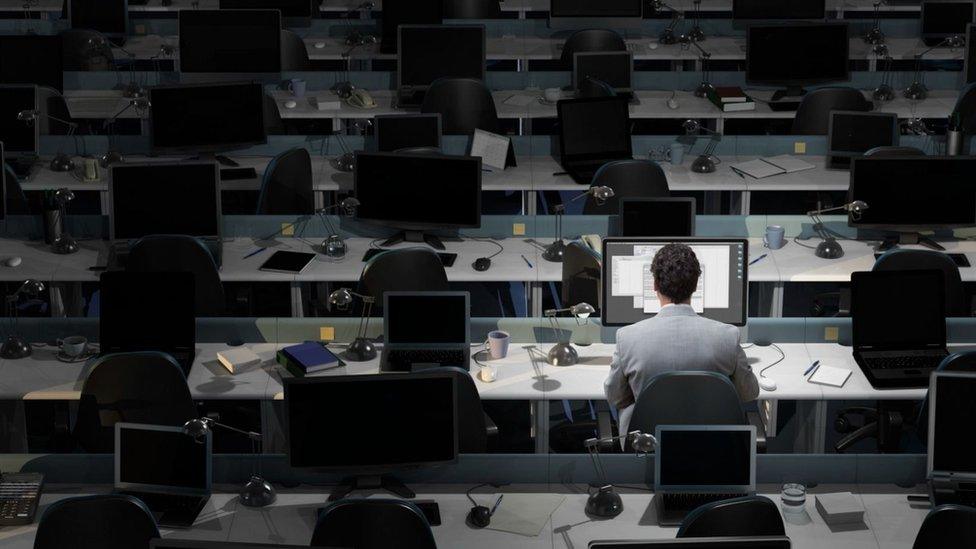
170 471
613 67
699 464
898 326
951 469
151 311
852 133
592 132
426 330
737 542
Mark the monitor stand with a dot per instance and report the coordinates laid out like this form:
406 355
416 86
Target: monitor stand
371 482
790 91
414 236
891 242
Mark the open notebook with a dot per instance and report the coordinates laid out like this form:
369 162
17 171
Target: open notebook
776 165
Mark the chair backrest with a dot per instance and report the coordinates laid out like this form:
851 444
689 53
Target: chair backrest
294 54
590 40
373 524
894 151
687 398
745 516
628 179
85 50
591 87
472 9
956 362
472 428
966 107
403 270
813 115
139 387
947 526
80 523
182 253
582 273
286 188
917 260
465 104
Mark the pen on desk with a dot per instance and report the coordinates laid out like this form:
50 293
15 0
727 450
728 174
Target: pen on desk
737 172
255 252
555 174
811 368
497 503
754 261
526 261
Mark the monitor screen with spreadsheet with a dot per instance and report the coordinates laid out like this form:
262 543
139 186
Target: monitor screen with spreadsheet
628 285
32 59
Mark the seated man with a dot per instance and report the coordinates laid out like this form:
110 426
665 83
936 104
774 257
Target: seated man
675 339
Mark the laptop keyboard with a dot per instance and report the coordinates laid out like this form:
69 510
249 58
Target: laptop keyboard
423 356
691 501
903 362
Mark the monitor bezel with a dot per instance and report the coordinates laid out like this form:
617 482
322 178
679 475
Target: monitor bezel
212 147
930 460
719 543
735 3
467 309
311 10
53 38
693 205
935 35
276 14
630 66
969 63
123 34
608 155
378 122
717 488
35 124
3 192
156 488
399 70
798 81
831 151
171 543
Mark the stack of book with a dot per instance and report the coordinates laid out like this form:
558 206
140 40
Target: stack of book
731 99
307 358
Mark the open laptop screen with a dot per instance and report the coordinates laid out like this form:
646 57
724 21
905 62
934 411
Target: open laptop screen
898 309
594 128
147 311
439 318
951 416
706 458
162 459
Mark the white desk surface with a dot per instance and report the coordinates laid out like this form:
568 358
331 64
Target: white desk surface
891 522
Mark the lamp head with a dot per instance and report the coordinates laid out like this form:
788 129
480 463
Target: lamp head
349 206
691 126
955 41
642 443
28 115
198 429
63 196
601 193
857 207
341 299
582 310
31 287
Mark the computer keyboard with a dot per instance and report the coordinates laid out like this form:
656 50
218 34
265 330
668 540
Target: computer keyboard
426 356
903 362
19 495
690 501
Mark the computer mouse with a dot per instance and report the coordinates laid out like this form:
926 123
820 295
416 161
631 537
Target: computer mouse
12 261
319 45
481 264
479 516
767 384
653 45
290 104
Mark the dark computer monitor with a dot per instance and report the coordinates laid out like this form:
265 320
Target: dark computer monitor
969 70
32 59
772 542
291 10
3 190
230 41
614 68
914 320
109 17
910 194
778 10
657 217
206 117
429 52
169 543
951 416
406 12
418 192
628 285
147 311
576 14
718 459
162 459
594 128
19 137
852 133
393 132
774 55
944 18
148 199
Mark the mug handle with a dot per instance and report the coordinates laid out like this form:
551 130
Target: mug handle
765 241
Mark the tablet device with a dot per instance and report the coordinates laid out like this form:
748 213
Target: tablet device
287 262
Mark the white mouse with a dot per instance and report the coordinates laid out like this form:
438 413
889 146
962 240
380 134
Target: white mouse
12 261
673 103
653 45
319 45
290 104
767 384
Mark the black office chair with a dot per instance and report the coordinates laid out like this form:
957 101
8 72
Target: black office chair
947 526
956 362
591 87
181 253
86 50
475 426
402 270
966 109
472 9
294 54
286 188
590 40
373 524
139 387
892 151
418 150
108 521
628 179
16 199
50 102
749 516
813 114
465 104
922 260
582 272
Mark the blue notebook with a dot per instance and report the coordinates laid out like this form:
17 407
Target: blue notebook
311 357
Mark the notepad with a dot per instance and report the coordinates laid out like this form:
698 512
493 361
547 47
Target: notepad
776 165
237 359
525 514
519 100
789 163
830 375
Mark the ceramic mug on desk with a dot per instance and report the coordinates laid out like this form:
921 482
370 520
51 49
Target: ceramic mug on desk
497 344
775 237
297 87
73 346
552 94
676 154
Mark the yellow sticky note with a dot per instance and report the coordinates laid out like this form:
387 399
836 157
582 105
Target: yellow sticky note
287 229
800 147
518 229
326 333
831 333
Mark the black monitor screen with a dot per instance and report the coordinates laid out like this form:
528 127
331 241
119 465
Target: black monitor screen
164 199
18 136
946 18
109 17
446 51
242 41
771 54
3 188
31 59
162 459
778 9
657 217
951 450
418 191
854 133
915 318
970 68
614 68
288 8
594 128
395 132
591 8
398 420
211 117
409 318
763 542
705 458
914 193
406 12
146 311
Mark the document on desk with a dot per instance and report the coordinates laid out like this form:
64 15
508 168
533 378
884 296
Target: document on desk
525 514
491 148
830 375
766 167
520 100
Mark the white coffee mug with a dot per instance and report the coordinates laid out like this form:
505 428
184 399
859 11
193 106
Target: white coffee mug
552 94
497 344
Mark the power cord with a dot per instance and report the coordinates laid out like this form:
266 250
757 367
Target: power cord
491 241
782 357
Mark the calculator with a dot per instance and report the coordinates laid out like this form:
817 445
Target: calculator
19 495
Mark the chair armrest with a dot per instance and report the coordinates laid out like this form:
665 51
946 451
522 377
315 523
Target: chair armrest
756 421
490 427
604 427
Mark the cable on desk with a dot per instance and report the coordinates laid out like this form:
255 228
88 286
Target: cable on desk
492 241
494 485
782 357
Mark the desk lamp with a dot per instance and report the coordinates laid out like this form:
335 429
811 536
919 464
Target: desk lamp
667 36
256 492
830 248
875 36
696 34
917 90
99 46
61 161
112 155
705 87
884 91
64 243
361 349
554 252
16 346
563 353
605 502
334 245
357 38
705 163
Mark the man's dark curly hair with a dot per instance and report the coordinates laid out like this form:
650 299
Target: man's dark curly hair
676 271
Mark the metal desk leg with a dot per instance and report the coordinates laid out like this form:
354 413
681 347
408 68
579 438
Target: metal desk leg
540 409
745 198
535 289
297 303
776 303
530 202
